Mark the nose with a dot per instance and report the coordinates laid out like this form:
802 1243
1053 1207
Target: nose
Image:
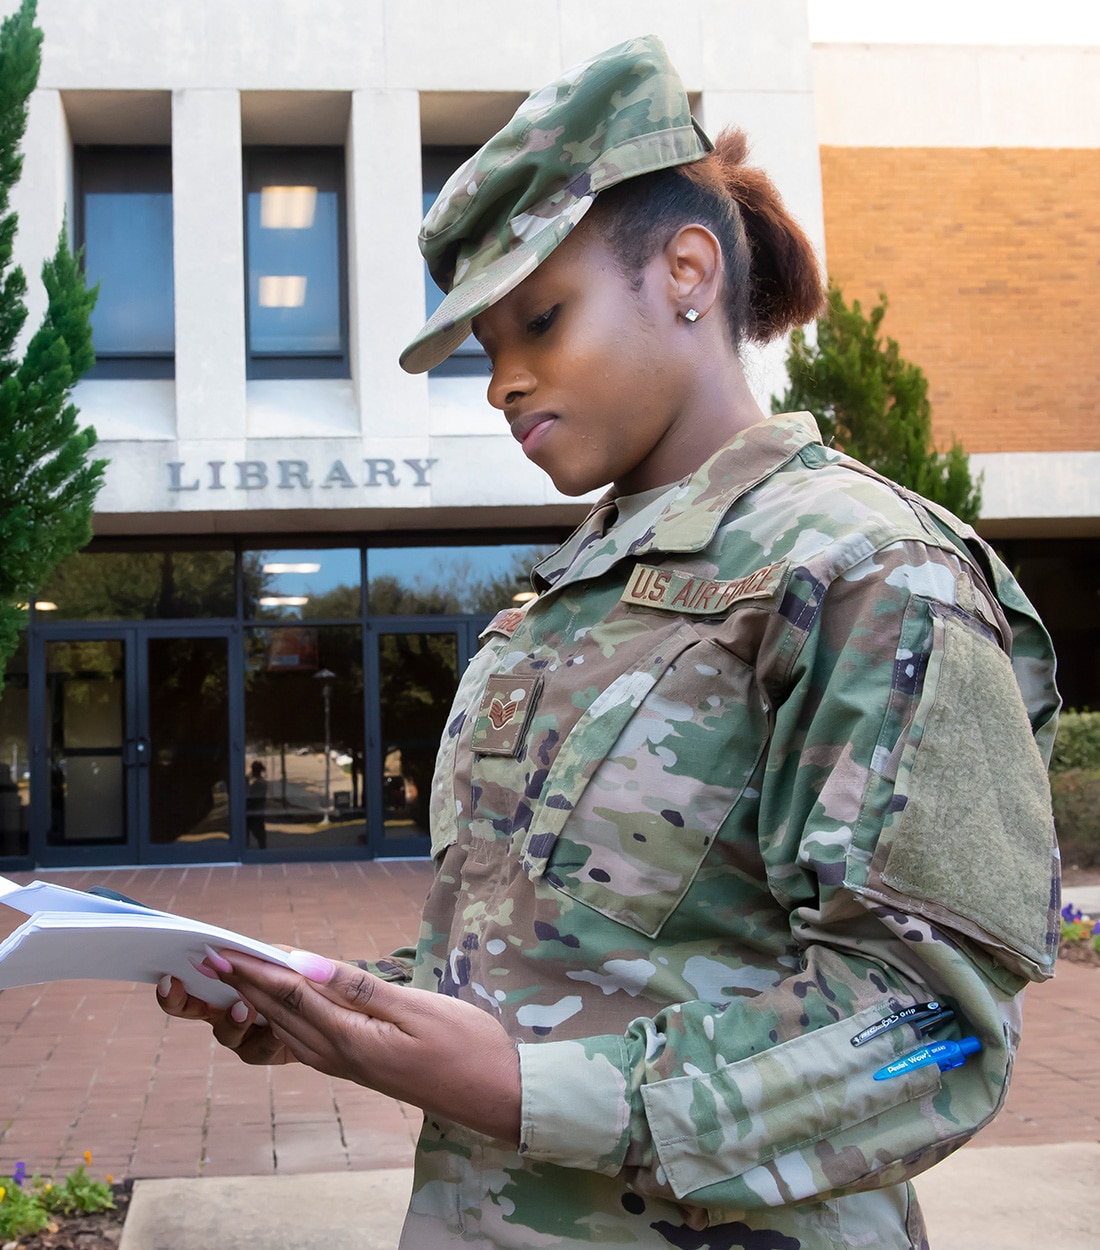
511 382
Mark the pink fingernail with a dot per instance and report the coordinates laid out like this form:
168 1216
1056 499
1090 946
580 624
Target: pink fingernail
199 966
313 967
164 985
239 1012
216 961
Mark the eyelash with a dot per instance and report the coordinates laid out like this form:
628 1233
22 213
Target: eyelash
543 321
538 326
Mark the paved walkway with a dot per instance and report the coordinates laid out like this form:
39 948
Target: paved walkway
89 1065
93 1066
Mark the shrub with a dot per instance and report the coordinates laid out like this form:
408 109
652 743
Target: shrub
1076 797
1077 745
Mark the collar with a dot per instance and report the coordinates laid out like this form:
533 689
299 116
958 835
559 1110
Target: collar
685 517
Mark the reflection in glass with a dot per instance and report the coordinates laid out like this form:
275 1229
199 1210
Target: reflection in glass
127 214
15 759
294 292
419 675
304 737
303 584
85 709
142 585
435 580
188 754
438 163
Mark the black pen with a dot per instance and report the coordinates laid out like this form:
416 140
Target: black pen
923 1016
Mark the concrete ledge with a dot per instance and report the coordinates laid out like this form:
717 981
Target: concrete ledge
993 1198
1014 1197
323 1211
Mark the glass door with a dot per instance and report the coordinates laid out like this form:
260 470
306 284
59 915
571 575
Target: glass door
188 783
137 761
415 669
88 774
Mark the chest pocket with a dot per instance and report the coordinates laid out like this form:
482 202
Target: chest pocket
448 817
645 779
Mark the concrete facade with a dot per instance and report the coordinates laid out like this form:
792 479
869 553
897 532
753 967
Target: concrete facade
381 449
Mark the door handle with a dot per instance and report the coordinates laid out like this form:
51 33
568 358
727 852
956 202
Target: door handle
136 751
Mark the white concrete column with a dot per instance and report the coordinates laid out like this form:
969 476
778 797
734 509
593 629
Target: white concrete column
385 283
758 76
41 198
209 264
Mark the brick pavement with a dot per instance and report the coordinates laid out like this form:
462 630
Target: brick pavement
96 1066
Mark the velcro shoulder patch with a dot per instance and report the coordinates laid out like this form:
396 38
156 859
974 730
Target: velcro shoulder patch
672 591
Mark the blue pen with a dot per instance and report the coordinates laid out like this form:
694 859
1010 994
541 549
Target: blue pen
945 1055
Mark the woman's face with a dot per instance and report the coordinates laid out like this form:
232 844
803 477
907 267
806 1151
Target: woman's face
591 372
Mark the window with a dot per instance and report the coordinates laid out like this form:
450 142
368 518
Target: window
438 165
124 224
300 584
479 579
297 291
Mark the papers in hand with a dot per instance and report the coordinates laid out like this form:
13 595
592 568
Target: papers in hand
72 935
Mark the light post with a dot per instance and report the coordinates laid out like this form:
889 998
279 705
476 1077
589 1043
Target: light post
326 677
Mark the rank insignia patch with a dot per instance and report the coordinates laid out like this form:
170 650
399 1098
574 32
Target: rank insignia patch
673 591
504 714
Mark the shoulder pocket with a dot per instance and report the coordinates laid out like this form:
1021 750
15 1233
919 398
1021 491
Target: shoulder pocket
645 780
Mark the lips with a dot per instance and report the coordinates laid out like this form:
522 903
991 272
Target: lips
526 429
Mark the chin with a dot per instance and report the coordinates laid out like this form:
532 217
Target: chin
574 487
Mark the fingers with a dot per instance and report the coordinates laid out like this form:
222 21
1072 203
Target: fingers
345 984
240 1028
175 1001
322 1012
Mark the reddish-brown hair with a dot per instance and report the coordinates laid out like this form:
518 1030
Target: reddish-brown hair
773 282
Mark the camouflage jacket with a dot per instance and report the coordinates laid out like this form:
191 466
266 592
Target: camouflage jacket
751 774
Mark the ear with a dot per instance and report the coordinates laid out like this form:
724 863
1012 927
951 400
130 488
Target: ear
694 259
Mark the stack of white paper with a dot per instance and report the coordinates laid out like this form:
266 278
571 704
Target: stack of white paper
72 935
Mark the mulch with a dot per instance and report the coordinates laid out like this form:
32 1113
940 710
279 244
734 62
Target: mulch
1079 953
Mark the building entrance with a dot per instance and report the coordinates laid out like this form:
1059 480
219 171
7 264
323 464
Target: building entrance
132 746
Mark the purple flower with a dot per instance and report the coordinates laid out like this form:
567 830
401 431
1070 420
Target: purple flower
1096 929
20 1173
1067 912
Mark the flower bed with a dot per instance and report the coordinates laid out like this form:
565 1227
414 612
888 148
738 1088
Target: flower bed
1080 937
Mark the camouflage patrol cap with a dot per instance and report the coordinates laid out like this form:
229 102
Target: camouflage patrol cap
621 114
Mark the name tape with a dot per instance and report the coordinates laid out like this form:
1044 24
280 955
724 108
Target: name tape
671 591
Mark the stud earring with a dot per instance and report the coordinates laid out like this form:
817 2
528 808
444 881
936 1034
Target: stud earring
692 315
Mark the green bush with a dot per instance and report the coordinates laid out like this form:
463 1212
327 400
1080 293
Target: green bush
21 1212
26 1205
1077 745
1076 797
79 1193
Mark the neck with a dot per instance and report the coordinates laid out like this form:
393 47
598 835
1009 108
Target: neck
718 407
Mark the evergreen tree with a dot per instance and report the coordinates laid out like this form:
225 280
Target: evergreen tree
874 405
47 484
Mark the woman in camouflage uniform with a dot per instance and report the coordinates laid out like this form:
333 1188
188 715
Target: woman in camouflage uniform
744 805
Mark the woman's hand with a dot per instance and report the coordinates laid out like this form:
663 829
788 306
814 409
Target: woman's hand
237 1027
440 1054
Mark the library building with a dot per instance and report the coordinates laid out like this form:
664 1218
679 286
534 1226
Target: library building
297 544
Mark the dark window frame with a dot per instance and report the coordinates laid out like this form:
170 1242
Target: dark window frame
286 365
437 163
121 365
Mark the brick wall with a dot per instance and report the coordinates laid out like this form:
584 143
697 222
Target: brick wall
991 261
